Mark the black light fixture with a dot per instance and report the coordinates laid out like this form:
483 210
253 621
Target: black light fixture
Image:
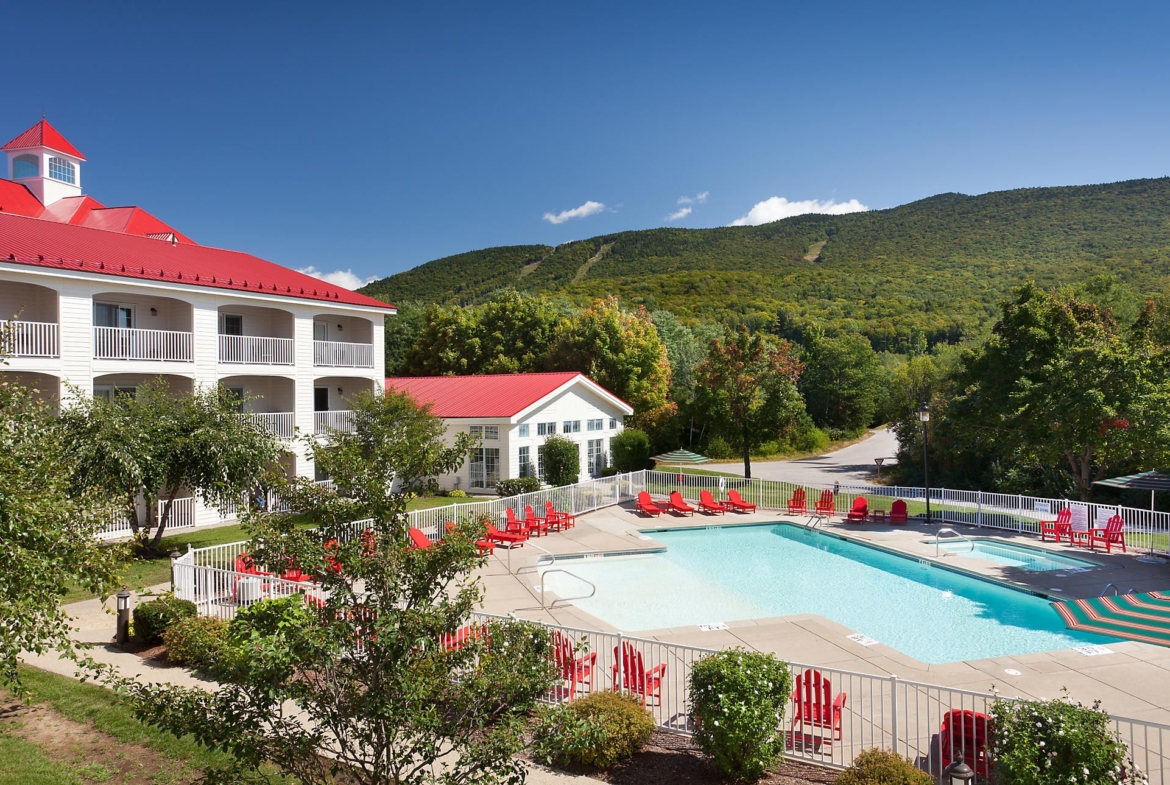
122 631
924 418
154 312
958 773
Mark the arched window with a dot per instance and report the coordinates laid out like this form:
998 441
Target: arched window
25 166
60 169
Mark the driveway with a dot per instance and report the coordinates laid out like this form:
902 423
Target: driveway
850 465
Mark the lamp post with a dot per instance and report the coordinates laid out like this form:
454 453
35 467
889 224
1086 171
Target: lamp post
924 418
122 634
958 773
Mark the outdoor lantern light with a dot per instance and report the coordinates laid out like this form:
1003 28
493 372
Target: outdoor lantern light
958 773
924 412
154 312
924 418
122 634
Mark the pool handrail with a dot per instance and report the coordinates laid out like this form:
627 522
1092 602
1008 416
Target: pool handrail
1116 590
592 586
949 530
552 558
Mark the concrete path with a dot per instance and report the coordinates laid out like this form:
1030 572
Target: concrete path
852 465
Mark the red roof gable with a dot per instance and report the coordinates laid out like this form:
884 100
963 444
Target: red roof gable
49 244
43 135
491 395
15 198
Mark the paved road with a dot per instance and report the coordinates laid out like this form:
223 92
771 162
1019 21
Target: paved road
850 465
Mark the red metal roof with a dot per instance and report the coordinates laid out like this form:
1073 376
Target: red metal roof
15 198
491 395
43 135
43 243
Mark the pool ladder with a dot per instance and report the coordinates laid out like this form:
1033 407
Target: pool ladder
949 530
1116 590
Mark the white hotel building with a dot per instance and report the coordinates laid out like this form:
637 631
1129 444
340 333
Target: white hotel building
106 298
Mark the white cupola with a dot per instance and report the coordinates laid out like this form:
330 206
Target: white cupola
43 160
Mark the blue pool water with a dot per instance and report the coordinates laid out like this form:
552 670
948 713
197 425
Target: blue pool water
1030 559
715 575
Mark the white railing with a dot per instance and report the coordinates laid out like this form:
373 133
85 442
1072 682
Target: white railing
125 343
343 355
182 517
280 424
28 339
255 349
325 423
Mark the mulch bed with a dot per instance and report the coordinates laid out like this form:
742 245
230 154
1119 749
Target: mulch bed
671 758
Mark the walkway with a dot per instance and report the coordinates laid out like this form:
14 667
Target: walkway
852 465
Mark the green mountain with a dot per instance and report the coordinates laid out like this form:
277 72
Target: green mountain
935 268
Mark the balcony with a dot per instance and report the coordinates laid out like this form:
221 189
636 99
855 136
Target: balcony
334 354
256 350
28 339
325 423
128 343
281 424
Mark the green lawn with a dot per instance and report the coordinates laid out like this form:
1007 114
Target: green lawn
23 763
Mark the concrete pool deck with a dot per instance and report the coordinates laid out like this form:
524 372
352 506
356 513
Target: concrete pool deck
1132 680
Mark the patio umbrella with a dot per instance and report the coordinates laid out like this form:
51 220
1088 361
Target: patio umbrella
681 458
1139 617
1145 481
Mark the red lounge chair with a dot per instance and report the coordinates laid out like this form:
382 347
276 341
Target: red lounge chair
646 504
1062 526
502 538
635 678
859 512
798 504
537 524
898 512
963 736
517 526
331 548
826 505
577 671
707 503
814 712
246 565
565 520
1111 535
679 505
736 502
486 547
454 641
418 540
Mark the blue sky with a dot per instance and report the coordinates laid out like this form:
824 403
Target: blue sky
374 137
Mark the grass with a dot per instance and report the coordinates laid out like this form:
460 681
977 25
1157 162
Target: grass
427 502
23 763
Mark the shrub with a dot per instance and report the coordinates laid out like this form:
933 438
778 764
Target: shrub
883 767
598 731
562 461
738 700
719 449
152 618
505 488
1056 741
631 451
197 642
455 493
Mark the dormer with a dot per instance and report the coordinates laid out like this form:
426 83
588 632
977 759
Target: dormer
43 160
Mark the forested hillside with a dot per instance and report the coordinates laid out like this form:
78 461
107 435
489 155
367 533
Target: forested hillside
934 269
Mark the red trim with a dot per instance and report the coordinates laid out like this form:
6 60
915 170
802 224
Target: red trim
43 135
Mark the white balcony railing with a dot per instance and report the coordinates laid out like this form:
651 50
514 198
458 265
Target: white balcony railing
255 349
125 343
327 422
28 339
343 355
281 424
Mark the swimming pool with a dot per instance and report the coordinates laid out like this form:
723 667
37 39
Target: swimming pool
1030 559
744 572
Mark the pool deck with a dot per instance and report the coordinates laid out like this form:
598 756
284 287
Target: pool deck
1133 680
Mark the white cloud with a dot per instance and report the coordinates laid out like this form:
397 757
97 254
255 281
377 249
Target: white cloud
346 279
778 207
681 212
701 198
584 211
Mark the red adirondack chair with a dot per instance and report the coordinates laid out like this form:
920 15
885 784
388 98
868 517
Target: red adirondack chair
707 503
418 540
898 512
577 671
536 523
963 736
646 505
486 547
565 519
503 538
798 504
1111 535
825 504
679 505
1062 526
736 502
517 526
635 678
814 712
859 512
454 641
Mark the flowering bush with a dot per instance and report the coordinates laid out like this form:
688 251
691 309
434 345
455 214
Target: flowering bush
1057 741
597 730
738 700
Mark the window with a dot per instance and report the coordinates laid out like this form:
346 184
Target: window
25 166
320 399
60 169
491 433
571 426
596 425
231 324
546 428
612 423
476 431
112 315
484 467
320 331
540 461
524 432
525 463
108 392
595 454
